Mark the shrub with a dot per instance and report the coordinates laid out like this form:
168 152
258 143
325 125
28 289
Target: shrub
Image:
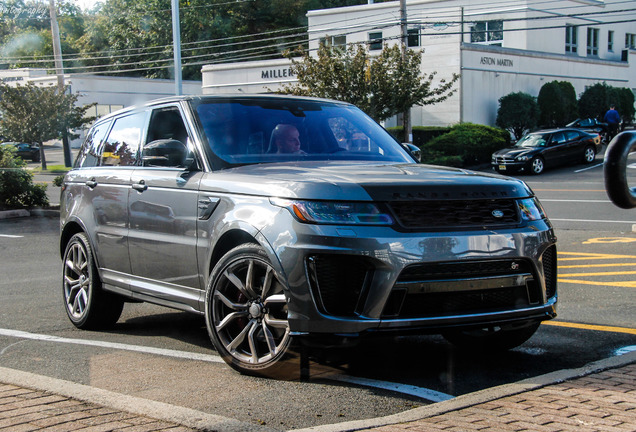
557 104
16 183
465 145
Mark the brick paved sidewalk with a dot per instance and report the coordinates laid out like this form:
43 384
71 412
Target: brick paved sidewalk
24 410
603 402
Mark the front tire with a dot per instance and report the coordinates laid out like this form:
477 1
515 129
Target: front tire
493 338
537 165
246 313
87 305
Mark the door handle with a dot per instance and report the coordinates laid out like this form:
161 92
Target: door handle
140 187
91 183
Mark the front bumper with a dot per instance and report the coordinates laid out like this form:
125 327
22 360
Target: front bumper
352 280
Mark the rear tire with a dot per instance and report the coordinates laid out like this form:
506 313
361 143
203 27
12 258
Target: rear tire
493 338
87 305
246 314
589 155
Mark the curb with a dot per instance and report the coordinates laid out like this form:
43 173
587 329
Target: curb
37 212
130 404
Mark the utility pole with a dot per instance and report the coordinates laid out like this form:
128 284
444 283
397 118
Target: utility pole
406 115
59 71
176 47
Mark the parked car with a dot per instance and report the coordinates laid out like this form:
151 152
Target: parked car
26 151
284 220
589 124
539 150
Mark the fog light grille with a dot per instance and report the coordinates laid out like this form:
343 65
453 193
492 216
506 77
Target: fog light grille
338 282
549 259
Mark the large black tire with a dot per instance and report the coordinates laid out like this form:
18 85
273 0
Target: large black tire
537 165
246 314
494 338
87 305
615 170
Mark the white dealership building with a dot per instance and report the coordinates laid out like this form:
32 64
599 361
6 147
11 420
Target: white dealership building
497 47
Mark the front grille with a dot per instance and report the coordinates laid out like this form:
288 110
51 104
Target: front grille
442 214
461 270
549 259
503 160
338 282
407 301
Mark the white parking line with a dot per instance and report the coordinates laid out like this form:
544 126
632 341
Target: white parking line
581 201
424 393
113 345
592 220
420 392
589 168
10 236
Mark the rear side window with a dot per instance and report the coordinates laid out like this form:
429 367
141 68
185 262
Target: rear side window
92 149
122 145
571 135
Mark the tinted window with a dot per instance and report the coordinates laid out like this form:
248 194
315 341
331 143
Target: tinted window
571 135
167 141
274 130
91 151
558 138
123 141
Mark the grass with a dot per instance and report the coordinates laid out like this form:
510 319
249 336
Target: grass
54 169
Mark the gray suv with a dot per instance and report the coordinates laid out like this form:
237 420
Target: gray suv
283 220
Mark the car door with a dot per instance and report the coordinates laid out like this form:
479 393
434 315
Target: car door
556 151
105 191
163 213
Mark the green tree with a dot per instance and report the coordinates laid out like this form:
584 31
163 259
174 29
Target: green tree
557 104
596 100
381 86
518 113
37 114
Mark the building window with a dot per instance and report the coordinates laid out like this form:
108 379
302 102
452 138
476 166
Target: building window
340 40
592 41
630 40
487 32
375 41
570 39
610 41
413 37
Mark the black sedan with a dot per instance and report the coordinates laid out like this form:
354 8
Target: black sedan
26 151
538 150
589 125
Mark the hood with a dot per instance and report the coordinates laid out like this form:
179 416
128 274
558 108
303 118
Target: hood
362 182
515 151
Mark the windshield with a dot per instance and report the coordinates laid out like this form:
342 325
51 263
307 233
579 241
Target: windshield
255 130
532 140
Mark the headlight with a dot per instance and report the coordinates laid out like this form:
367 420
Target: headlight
530 209
522 158
334 212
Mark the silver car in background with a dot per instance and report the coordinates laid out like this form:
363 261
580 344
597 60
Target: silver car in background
284 220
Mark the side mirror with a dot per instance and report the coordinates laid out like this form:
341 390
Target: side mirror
165 153
615 170
413 151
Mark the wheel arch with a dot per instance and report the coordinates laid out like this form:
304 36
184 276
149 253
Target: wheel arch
70 229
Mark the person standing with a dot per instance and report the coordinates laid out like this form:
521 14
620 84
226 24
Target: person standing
613 119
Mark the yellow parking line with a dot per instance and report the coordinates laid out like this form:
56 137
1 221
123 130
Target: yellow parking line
581 255
597 274
627 284
598 265
591 327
